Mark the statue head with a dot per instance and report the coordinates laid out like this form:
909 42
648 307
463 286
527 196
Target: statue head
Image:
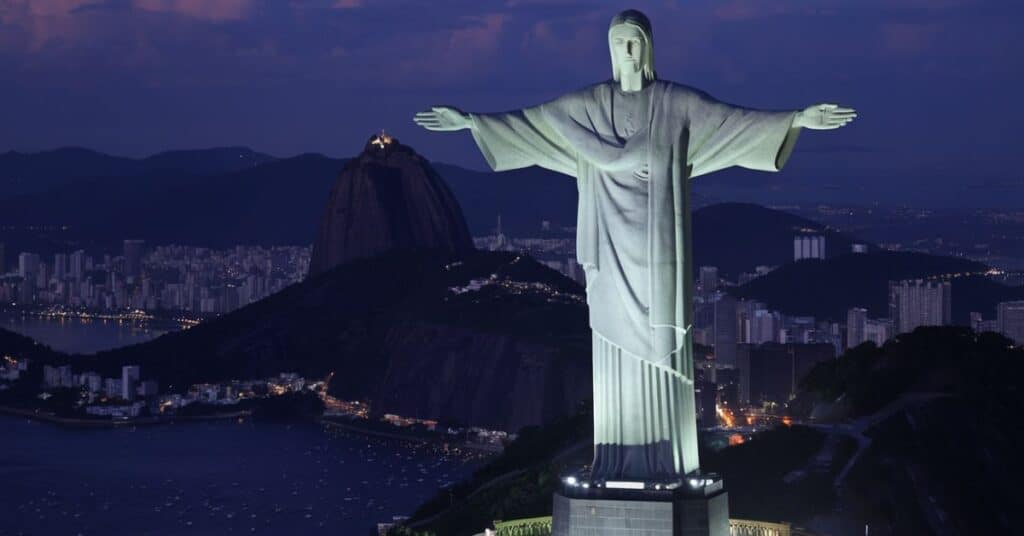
631 44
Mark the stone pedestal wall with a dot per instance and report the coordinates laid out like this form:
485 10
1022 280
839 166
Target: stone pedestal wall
677 516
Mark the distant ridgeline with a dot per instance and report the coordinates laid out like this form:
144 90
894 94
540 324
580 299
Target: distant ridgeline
33 173
828 288
229 196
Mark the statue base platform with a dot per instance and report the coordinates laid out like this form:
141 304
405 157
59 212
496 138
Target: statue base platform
690 507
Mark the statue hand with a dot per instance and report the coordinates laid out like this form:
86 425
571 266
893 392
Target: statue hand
443 119
824 116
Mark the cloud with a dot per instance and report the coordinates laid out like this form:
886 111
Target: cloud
33 24
451 53
208 10
64 26
43 8
737 10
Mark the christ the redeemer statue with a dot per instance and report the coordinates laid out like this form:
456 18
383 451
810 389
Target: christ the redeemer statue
632 143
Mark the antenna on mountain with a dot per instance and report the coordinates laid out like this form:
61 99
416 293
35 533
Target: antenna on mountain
382 140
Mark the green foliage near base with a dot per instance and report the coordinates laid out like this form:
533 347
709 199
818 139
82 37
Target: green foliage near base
772 478
534 526
949 360
940 407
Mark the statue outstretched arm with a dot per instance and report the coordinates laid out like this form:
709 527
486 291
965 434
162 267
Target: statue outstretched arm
507 140
724 135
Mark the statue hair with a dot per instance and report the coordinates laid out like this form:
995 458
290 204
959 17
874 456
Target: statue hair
639 21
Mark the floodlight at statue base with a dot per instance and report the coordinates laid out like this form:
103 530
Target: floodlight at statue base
697 506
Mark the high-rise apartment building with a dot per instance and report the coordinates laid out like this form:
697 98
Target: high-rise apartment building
808 247
76 265
129 381
914 303
60 266
861 329
709 279
878 331
28 266
133 257
856 321
1010 320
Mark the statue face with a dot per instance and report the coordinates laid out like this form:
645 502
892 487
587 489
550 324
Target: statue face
628 46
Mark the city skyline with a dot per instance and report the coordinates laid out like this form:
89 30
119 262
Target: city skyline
211 281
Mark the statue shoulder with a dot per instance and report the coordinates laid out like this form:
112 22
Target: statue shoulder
579 98
595 90
677 90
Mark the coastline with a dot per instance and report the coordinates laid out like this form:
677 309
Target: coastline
73 422
351 427
365 431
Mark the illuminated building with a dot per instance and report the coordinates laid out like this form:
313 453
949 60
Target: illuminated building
914 303
860 328
808 247
708 279
1010 320
129 381
856 319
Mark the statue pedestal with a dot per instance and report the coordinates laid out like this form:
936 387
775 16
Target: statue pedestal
697 507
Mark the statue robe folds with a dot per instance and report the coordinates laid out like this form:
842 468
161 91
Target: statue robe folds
634 203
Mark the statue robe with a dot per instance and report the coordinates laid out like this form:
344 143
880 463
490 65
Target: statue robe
633 241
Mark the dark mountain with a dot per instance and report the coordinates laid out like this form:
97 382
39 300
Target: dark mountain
935 414
526 197
22 173
205 161
19 346
271 203
523 198
385 199
28 173
828 288
736 237
513 353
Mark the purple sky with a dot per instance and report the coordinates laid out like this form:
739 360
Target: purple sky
936 82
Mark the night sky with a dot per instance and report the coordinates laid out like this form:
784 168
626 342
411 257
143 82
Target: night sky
936 82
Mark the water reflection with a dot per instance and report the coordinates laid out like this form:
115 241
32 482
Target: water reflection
212 478
83 335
